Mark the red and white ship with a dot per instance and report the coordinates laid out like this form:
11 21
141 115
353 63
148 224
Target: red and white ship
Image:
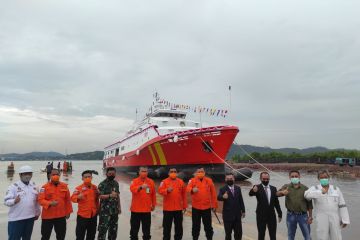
166 138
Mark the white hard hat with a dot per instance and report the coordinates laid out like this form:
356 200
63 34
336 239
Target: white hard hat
25 169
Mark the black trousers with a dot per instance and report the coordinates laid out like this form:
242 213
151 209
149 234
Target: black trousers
231 226
59 224
85 226
169 217
205 215
135 220
262 222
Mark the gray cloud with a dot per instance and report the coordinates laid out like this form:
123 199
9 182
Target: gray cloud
292 66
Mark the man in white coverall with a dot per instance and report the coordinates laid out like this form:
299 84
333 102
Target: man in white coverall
331 213
21 197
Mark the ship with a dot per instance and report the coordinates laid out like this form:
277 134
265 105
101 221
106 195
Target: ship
165 138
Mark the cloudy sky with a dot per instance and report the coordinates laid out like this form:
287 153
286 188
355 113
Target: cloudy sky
72 72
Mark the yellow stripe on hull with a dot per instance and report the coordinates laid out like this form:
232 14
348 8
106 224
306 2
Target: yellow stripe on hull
152 155
160 154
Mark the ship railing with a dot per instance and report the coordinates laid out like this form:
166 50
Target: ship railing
193 131
135 134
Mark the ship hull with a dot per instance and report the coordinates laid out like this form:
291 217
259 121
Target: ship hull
186 151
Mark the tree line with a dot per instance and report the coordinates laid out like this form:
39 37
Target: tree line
277 157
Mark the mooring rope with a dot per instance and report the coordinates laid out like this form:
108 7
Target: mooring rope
234 169
268 170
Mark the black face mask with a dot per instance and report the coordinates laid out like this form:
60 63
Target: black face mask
110 178
230 182
265 183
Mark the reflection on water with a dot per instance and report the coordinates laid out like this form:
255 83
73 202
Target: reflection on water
349 187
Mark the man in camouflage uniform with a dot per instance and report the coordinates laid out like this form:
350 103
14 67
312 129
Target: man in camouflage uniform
110 206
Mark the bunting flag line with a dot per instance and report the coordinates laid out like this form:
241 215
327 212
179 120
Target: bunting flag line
196 109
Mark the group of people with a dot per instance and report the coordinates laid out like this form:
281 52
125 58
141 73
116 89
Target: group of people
67 167
103 202
331 213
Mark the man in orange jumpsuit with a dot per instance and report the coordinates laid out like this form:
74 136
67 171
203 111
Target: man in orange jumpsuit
203 198
87 197
143 202
174 205
54 197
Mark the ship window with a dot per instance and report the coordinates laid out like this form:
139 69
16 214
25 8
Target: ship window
182 124
117 152
122 148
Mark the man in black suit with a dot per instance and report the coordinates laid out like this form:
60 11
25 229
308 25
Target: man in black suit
267 202
233 208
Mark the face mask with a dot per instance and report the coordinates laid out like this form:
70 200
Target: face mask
172 175
324 181
143 174
26 179
230 182
55 178
111 177
265 183
87 181
295 180
200 175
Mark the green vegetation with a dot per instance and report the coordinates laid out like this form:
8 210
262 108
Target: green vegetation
319 157
96 155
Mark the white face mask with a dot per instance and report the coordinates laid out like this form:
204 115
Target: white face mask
26 178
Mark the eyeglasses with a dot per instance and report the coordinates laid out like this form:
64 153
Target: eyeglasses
173 171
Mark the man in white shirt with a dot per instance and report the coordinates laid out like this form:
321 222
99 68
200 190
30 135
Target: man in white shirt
331 213
21 197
